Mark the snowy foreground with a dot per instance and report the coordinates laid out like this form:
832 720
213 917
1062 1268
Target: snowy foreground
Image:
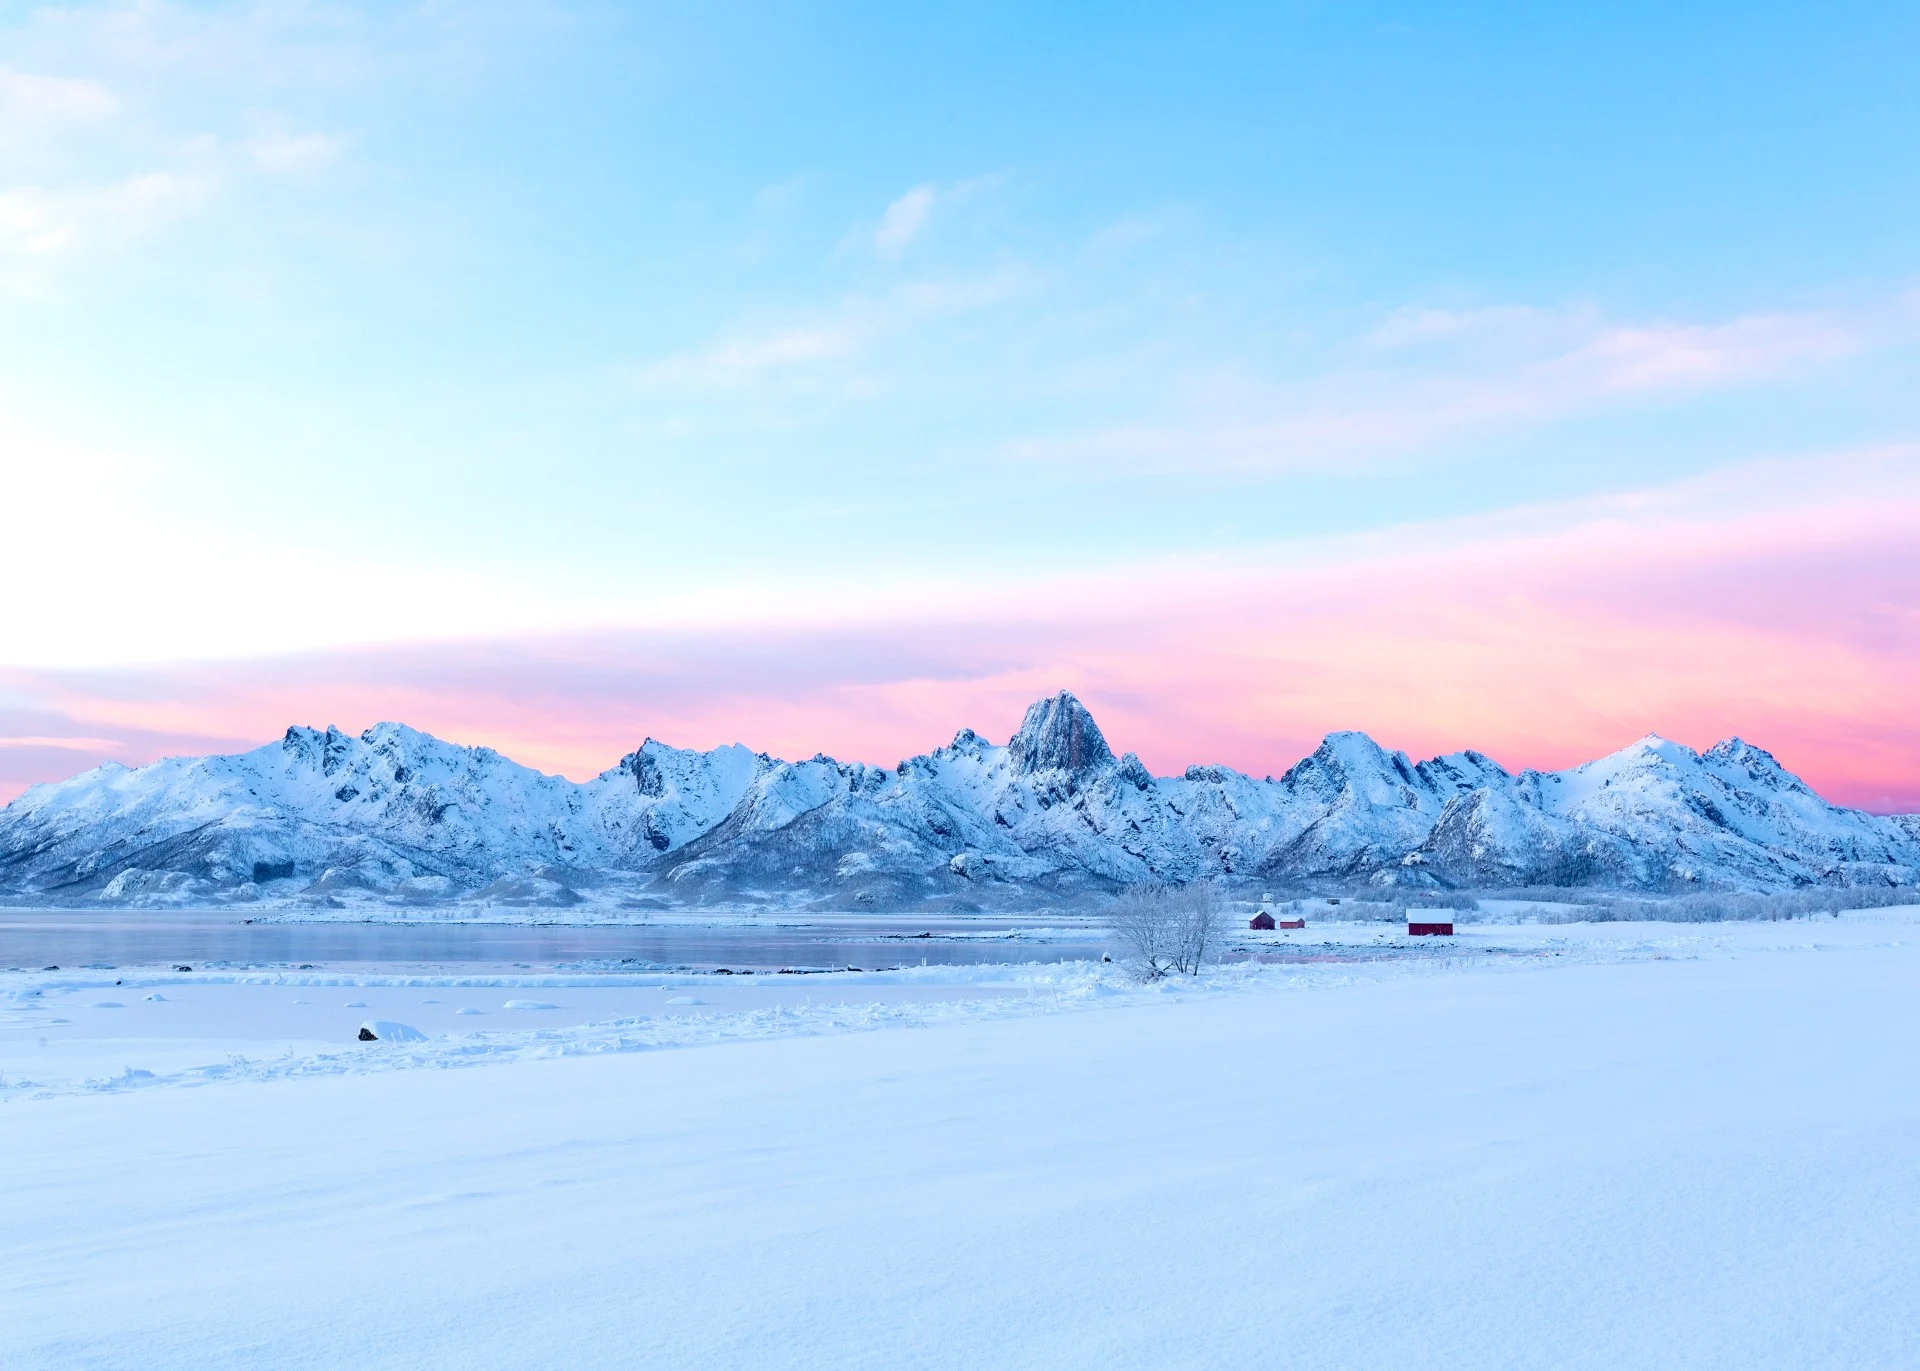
1613 1145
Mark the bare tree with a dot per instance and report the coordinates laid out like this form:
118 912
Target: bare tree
1202 922
1144 929
1163 928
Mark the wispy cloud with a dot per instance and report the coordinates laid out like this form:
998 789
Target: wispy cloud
68 744
277 150
832 336
286 44
1422 376
780 197
1650 358
37 223
117 117
1133 231
904 220
738 359
907 219
29 98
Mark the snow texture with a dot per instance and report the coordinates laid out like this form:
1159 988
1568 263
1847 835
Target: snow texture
1577 1146
395 819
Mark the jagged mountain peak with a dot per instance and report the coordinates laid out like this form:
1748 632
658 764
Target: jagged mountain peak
1464 771
1653 745
1352 748
332 743
632 762
1756 763
398 815
389 736
1651 755
1345 760
1058 734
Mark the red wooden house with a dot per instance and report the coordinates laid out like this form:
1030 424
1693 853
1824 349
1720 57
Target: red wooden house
1262 921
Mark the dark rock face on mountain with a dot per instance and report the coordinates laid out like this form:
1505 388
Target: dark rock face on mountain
1058 735
393 818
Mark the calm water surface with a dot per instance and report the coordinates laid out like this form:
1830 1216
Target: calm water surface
77 938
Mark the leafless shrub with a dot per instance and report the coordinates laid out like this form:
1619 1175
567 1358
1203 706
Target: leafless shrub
1203 927
1162 928
1143 927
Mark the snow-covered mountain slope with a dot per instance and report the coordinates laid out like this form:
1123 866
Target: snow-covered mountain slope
396 816
1731 815
392 810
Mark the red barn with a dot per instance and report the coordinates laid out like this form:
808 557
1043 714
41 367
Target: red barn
1262 921
1293 923
1424 928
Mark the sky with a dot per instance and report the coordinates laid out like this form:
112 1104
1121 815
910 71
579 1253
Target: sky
829 378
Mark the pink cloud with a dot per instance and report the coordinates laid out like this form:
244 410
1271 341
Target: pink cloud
1741 604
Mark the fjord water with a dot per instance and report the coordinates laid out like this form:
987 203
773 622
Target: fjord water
78 938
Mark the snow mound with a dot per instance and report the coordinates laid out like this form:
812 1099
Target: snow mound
528 1004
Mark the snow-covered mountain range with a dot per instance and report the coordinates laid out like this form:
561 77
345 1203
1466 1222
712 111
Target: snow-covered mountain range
395 816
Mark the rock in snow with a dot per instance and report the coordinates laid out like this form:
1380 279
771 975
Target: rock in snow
395 817
389 1031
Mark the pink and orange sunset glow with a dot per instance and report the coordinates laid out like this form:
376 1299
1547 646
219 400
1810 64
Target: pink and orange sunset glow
1775 603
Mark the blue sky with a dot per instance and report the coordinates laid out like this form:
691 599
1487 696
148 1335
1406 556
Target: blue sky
331 325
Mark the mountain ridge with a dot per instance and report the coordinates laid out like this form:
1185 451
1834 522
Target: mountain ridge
394 816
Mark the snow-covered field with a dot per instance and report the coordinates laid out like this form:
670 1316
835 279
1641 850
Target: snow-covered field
1584 1145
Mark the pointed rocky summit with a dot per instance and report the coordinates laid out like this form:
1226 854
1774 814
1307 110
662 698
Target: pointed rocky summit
1058 735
